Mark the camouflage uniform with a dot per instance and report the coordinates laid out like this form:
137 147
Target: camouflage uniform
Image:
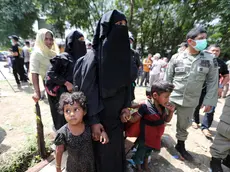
188 74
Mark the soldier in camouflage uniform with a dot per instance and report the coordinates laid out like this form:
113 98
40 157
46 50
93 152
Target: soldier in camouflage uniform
220 149
188 70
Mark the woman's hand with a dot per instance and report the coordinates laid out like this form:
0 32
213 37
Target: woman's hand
36 97
125 115
104 139
97 130
69 86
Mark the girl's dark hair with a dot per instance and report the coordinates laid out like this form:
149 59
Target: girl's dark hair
70 98
161 87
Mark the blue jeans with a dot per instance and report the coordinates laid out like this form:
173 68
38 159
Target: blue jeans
208 118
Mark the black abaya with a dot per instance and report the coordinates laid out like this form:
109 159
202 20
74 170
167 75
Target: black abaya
111 157
111 44
61 70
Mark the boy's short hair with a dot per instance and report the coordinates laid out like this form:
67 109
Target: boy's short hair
70 98
192 34
161 87
27 43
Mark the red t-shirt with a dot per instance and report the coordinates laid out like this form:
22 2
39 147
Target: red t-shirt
154 125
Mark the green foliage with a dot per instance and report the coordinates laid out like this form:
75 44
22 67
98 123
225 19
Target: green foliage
17 17
161 25
60 11
81 14
156 25
24 158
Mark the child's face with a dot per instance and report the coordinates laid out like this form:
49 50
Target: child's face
74 113
162 99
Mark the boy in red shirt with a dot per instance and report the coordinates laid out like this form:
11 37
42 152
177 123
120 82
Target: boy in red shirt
152 116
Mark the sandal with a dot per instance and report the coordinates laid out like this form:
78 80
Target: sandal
195 125
207 133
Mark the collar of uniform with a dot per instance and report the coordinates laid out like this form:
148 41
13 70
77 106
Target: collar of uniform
193 57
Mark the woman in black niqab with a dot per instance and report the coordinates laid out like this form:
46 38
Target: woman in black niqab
75 45
112 50
59 77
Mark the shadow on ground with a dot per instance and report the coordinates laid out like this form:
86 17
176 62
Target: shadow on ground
163 165
2 134
157 163
3 148
201 161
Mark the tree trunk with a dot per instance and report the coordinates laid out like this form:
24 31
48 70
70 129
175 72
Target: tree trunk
131 13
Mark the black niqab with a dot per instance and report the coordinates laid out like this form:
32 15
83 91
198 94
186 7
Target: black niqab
112 48
74 46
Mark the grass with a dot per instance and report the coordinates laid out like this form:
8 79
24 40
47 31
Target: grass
25 158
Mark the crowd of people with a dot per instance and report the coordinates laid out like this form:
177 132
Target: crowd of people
91 90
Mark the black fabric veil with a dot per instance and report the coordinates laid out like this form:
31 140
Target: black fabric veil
75 47
112 50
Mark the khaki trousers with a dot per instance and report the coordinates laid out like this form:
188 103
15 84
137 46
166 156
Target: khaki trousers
184 120
221 144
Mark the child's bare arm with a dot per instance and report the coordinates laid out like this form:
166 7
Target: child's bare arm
59 152
169 117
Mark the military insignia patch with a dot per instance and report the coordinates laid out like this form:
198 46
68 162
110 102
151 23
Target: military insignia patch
205 63
179 63
215 62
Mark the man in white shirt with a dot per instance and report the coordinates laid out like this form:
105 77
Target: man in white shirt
156 68
26 54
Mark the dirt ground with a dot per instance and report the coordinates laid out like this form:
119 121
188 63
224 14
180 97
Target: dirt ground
17 124
17 119
197 144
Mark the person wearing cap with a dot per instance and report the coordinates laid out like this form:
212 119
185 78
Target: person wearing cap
188 71
208 117
17 61
134 66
